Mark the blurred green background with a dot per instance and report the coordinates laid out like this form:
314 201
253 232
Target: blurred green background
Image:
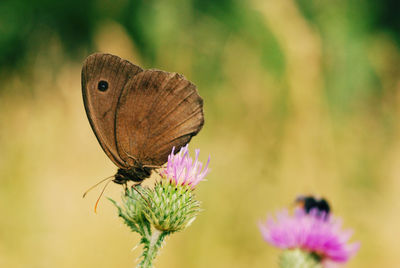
301 97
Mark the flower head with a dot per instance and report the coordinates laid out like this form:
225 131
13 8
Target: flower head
172 208
311 232
182 170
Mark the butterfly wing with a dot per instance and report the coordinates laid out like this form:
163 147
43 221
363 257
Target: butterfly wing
103 78
157 111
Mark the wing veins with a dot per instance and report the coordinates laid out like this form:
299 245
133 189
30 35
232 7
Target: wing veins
175 126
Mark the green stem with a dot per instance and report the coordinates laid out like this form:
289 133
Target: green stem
151 248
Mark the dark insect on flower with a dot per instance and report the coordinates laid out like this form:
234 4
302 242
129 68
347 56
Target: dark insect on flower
310 203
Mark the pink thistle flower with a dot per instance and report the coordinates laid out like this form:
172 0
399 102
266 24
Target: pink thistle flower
182 170
311 232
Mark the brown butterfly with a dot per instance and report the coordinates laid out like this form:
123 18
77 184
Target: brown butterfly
138 115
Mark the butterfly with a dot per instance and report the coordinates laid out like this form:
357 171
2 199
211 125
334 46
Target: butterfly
138 115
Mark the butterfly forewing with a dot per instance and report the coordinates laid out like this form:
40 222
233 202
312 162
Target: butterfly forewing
156 111
104 76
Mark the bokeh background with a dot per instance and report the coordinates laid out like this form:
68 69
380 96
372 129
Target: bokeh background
301 97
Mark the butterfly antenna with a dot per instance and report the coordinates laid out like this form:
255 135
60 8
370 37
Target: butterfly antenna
94 186
101 194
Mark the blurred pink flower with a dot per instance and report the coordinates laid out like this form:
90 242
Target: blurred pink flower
182 170
311 232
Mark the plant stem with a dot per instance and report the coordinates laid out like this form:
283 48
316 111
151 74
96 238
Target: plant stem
151 249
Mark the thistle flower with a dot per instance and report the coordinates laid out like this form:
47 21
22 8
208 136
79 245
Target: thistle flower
169 207
182 170
318 234
173 207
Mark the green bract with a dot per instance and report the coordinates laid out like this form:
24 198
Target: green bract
171 208
297 258
156 213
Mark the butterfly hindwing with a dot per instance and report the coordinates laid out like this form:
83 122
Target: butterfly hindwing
157 110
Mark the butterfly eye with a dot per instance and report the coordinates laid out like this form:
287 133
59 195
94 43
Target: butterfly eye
102 86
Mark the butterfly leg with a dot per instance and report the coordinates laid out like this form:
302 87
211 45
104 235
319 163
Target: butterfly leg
158 172
144 198
125 188
152 166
